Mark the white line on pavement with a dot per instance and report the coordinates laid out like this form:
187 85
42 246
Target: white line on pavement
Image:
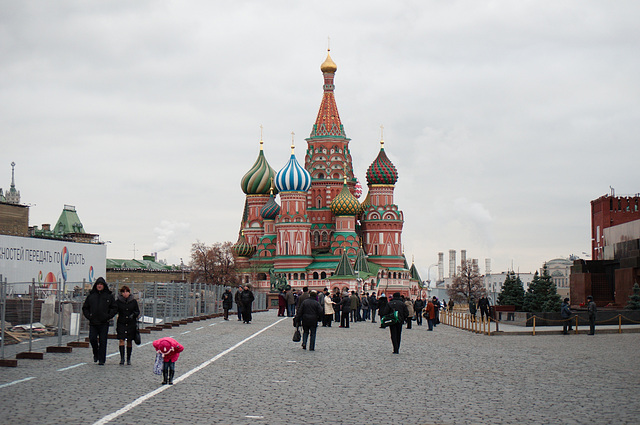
201 327
17 382
70 367
213 324
147 396
185 332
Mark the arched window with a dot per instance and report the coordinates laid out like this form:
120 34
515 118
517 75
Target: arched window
295 276
315 275
320 176
323 275
302 276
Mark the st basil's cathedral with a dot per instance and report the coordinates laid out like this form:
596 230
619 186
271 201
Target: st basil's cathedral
321 235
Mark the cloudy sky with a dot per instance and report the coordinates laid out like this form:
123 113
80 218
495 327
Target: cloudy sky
503 118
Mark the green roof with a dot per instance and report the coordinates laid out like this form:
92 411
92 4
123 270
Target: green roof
344 267
119 264
69 222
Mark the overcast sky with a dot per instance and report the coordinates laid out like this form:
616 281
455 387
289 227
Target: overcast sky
503 118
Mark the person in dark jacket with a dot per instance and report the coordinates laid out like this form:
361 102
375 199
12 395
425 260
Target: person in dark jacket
472 309
592 310
337 300
227 302
282 304
99 307
308 314
345 307
396 304
238 299
126 326
483 305
373 306
418 306
247 299
565 312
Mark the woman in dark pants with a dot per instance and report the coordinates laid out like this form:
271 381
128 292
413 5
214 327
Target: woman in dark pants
126 326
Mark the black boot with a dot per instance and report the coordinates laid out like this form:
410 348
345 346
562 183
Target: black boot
121 354
171 372
164 377
129 349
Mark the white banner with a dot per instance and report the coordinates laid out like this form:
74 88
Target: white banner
49 262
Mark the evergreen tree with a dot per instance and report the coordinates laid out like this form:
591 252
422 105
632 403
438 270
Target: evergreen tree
634 299
512 291
542 294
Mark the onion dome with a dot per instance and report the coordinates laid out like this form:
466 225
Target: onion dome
242 247
366 203
293 177
329 65
345 203
270 210
382 171
358 189
257 181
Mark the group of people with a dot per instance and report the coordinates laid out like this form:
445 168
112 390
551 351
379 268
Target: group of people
99 308
346 307
244 301
567 314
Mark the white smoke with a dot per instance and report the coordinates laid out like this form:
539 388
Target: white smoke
167 233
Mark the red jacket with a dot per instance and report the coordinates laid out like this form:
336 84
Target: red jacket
169 348
430 311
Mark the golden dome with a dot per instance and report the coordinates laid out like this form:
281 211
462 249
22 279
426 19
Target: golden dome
328 65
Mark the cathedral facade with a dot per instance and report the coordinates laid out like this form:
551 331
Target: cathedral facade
319 234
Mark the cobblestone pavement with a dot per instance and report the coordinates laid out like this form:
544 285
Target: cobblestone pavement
447 376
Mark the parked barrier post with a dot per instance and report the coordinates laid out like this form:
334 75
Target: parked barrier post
33 300
60 313
534 325
489 326
576 325
619 323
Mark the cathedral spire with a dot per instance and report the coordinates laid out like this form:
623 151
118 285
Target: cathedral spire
328 121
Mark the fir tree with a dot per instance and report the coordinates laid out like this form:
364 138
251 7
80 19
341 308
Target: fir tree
512 291
634 299
542 294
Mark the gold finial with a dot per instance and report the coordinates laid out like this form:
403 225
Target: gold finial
271 187
292 142
382 137
261 142
345 172
413 260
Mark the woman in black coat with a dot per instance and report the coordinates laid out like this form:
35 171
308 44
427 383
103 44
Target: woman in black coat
126 326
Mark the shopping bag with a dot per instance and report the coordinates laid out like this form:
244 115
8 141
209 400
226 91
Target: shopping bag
157 366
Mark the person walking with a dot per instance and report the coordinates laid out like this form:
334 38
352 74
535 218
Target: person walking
328 310
373 306
395 330
451 304
565 312
247 299
355 303
345 306
430 313
99 307
337 299
483 304
592 311
364 300
302 297
227 302
291 302
436 308
412 312
472 309
127 323
418 306
308 314
238 299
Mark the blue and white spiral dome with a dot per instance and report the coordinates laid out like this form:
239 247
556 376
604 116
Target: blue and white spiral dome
293 177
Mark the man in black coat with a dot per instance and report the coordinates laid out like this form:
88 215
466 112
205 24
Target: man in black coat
418 306
247 299
227 302
308 314
345 307
396 304
99 307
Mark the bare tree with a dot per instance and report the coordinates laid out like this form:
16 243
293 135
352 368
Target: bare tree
213 264
467 284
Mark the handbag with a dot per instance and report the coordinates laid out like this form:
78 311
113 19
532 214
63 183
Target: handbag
296 335
136 335
157 366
